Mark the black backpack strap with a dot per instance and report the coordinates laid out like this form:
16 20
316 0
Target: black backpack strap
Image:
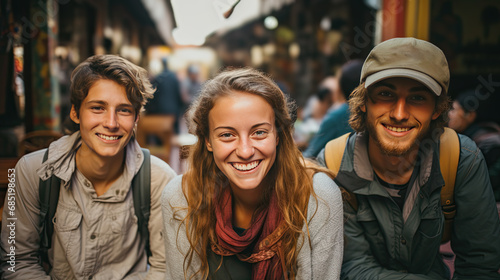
49 197
141 193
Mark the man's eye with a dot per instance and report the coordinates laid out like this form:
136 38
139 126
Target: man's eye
97 108
417 98
125 110
385 94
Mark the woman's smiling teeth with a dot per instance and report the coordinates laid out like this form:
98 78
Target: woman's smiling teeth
397 129
107 137
245 167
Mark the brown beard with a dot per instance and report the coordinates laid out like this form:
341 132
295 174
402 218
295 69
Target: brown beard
394 149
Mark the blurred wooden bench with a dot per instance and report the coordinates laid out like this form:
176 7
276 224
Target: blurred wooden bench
160 126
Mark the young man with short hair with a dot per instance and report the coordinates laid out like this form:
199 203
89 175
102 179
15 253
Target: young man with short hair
96 232
391 166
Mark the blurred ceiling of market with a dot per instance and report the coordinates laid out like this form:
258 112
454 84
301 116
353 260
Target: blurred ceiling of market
298 42
196 19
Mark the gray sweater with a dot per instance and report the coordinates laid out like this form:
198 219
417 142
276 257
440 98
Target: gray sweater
322 259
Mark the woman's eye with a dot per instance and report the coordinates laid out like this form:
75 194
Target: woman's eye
225 135
260 133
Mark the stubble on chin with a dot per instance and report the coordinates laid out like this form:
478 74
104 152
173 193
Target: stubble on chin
394 148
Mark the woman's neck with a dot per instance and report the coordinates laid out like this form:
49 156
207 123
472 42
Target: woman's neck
245 203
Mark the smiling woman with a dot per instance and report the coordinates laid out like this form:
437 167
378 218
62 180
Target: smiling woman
244 149
249 207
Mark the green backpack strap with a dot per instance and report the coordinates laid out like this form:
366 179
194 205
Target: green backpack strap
49 197
141 193
449 156
334 151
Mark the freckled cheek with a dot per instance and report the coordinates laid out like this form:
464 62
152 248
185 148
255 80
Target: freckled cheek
222 151
268 148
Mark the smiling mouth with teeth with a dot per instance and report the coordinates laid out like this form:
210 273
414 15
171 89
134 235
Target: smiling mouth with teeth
108 137
245 167
397 129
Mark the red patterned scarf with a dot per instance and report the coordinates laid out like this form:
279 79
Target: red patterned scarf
267 228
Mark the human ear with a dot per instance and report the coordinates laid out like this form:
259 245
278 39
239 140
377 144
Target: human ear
209 146
436 115
73 114
363 108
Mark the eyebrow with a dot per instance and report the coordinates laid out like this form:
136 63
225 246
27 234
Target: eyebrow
232 128
101 102
413 89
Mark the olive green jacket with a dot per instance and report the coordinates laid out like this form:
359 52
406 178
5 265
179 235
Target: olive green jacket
385 242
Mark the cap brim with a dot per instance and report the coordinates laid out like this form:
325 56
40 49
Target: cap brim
406 73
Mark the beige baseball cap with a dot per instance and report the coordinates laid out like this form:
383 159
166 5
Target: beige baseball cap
410 58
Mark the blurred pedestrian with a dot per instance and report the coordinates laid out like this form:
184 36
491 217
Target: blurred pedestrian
167 100
391 173
191 85
471 116
308 123
336 122
249 207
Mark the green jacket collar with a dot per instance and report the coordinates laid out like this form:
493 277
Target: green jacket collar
356 173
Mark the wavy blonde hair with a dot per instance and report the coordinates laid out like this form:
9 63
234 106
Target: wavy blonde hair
204 181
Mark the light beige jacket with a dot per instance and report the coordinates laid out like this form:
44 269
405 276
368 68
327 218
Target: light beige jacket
94 237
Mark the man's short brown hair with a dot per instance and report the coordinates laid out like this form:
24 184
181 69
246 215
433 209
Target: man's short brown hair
111 67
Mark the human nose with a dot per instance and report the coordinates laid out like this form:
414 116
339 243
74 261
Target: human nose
111 120
245 149
400 112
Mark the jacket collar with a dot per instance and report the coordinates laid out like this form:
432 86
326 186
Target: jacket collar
356 173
